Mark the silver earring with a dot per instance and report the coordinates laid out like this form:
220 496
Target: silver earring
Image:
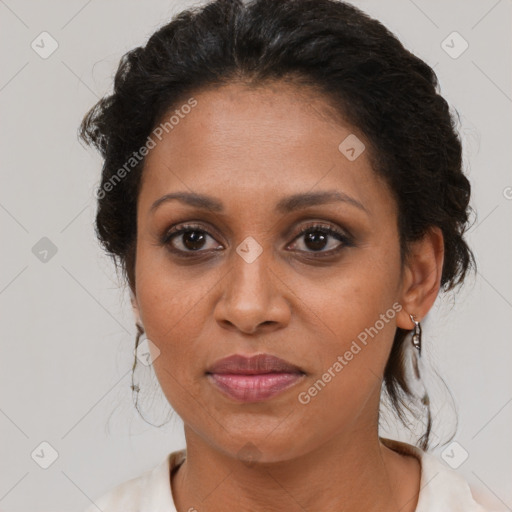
413 363
416 335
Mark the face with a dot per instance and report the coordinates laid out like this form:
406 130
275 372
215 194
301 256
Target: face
297 256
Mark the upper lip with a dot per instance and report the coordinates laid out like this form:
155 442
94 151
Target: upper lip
253 365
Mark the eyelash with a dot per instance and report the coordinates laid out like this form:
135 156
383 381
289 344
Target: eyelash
346 240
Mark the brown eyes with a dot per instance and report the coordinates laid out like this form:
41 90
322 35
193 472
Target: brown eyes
316 239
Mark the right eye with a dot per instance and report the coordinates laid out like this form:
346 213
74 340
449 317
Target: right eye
188 238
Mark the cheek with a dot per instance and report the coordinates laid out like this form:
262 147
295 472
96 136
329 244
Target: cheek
345 302
351 355
355 315
354 334
165 293
172 312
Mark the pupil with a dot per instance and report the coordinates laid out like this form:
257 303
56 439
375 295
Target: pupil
317 238
193 240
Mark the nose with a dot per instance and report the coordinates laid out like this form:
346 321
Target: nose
252 298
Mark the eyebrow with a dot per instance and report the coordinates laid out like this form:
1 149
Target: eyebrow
285 205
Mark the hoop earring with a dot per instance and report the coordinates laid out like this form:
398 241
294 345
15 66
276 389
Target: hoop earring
140 331
136 390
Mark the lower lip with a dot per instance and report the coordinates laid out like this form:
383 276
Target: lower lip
254 388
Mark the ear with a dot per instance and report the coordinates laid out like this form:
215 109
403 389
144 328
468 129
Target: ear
421 278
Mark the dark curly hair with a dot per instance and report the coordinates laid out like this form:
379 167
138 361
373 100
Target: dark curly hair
347 58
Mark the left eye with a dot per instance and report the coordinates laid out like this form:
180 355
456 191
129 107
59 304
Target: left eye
316 238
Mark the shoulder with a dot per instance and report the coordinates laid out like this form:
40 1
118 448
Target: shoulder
441 488
149 491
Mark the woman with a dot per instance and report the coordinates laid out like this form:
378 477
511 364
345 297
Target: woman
283 190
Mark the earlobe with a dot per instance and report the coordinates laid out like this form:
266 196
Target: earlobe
422 277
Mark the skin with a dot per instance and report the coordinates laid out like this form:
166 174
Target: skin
249 148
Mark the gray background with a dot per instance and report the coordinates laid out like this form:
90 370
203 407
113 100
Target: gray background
67 326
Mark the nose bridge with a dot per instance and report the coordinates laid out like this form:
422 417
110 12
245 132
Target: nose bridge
251 295
249 280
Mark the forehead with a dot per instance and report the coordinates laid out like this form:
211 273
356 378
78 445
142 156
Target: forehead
263 141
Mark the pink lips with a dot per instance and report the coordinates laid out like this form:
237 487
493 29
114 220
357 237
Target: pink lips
253 379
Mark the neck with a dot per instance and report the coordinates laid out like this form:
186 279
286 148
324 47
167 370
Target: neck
353 473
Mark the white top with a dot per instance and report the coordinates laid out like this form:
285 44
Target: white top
441 488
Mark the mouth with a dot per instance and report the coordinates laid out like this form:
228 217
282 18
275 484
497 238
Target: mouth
253 379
